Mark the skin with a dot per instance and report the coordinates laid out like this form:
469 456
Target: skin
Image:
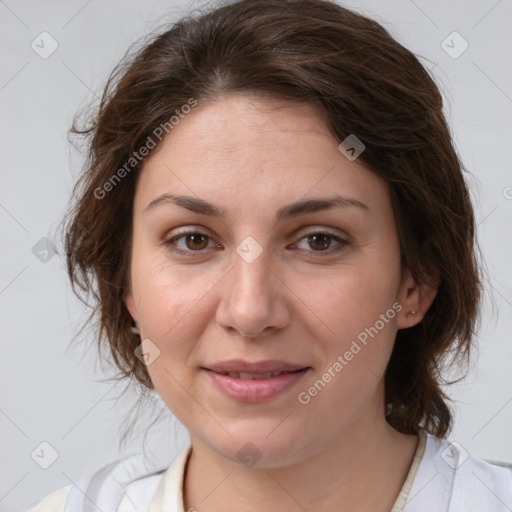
294 303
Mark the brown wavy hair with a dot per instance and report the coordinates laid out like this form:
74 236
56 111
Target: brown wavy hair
362 82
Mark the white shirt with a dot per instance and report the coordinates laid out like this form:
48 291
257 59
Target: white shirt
442 478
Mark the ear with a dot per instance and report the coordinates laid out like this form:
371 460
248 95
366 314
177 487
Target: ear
416 299
130 304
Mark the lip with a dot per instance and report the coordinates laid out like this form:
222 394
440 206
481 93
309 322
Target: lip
255 390
241 365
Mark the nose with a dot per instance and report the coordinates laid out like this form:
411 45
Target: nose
254 299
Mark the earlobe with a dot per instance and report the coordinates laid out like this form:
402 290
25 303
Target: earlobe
130 304
416 299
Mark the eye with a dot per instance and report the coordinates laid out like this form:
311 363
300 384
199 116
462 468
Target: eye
193 242
321 241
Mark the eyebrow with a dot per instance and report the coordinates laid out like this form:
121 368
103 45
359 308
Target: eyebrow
200 206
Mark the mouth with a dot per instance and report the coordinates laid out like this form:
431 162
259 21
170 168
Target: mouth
249 387
256 376
242 366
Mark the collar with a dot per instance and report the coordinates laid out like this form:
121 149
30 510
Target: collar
170 489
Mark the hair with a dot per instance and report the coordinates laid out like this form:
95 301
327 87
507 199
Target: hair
362 82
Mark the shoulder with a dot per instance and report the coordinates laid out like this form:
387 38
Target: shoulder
130 482
451 479
481 484
54 502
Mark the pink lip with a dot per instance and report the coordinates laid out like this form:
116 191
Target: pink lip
255 390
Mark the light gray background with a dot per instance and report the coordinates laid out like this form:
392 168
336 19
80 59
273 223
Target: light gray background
48 394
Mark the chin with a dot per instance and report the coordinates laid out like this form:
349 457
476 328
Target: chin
253 446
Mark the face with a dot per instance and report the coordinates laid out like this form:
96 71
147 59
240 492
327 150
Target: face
317 287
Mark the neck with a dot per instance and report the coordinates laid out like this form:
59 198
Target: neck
364 468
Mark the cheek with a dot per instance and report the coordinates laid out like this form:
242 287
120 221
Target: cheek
166 303
344 302
173 318
168 295
354 318
354 364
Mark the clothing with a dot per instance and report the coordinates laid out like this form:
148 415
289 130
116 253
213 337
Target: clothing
442 478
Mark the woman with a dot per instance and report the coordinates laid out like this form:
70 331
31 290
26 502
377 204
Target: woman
283 246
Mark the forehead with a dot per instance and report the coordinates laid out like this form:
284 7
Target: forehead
241 148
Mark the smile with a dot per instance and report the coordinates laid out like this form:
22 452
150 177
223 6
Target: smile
255 387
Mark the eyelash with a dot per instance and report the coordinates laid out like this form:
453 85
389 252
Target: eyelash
194 254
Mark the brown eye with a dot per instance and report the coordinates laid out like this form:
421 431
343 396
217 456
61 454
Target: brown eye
189 243
320 241
196 241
